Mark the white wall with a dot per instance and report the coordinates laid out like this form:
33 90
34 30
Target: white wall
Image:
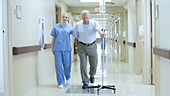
131 21
163 33
31 69
1 51
147 41
27 27
131 32
25 32
63 6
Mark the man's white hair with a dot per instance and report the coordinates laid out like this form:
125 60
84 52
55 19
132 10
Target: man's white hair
85 12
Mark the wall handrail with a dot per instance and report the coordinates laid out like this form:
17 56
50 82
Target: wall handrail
133 44
162 52
47 46
27 49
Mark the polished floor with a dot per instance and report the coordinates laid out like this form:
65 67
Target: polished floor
1 94
110 71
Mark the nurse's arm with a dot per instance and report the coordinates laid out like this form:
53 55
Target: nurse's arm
52 44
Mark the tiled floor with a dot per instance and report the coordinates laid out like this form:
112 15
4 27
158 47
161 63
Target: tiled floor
114 73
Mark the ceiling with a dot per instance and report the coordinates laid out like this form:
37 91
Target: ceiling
77 3
107 20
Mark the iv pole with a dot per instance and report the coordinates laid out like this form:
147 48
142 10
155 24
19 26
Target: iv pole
102 86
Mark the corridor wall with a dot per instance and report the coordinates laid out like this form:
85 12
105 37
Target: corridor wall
30 70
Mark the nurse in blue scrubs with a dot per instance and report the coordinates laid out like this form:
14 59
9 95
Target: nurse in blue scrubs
61 48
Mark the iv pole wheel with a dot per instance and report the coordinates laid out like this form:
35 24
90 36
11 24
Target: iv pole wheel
97 92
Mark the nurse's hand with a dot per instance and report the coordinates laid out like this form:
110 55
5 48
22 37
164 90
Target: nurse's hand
52 50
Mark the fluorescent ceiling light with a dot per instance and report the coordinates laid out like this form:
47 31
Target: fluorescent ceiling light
95 0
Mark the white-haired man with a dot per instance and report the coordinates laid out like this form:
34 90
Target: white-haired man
85 32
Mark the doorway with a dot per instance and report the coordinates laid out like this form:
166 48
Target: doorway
58 14
144 48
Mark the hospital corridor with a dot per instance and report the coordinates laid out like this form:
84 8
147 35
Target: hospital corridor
115 73
84 48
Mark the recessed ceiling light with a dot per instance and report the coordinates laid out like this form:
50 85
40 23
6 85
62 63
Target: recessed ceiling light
95 0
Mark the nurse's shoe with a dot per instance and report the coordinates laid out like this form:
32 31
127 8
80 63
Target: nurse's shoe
68 82
60 86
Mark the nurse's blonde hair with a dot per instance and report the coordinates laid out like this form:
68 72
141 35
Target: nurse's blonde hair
65 13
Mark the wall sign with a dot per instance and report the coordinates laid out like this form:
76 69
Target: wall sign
18 12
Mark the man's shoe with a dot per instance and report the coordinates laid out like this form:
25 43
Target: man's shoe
68 82
85 86
92 79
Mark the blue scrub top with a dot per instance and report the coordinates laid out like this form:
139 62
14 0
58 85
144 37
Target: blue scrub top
62 37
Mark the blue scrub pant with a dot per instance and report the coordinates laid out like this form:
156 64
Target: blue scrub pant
63 66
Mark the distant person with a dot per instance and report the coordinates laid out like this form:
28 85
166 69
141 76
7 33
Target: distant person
103 42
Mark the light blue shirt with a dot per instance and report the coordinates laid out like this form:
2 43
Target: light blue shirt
86 33
62 37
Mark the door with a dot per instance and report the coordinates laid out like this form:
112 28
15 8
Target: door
152 43
58 14
143 36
